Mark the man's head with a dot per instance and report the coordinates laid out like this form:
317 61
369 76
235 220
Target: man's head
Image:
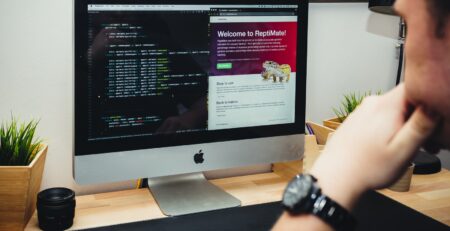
427 51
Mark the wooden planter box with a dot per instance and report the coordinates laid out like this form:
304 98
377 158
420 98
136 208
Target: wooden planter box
19 186
332 123
321 132
321 135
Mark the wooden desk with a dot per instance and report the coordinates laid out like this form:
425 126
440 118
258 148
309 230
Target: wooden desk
429 194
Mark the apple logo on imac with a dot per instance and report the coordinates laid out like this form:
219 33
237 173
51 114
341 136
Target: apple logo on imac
198 157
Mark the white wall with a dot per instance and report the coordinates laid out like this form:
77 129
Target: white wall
350 49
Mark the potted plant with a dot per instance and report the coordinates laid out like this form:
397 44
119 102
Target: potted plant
22 159
348 105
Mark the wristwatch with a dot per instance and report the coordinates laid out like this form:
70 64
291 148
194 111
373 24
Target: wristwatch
304 196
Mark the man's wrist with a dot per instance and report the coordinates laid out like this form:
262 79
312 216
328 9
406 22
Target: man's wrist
344 190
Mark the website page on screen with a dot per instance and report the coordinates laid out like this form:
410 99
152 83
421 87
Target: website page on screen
253 64
157 69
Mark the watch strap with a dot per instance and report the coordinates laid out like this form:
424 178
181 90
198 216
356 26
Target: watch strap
333 213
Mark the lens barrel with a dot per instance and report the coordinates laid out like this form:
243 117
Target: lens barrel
56 208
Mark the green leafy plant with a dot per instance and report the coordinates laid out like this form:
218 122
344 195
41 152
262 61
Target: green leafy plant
18 146
349 104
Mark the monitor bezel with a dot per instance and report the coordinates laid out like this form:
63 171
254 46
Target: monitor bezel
84 147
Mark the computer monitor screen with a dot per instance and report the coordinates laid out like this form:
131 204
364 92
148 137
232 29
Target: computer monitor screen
172 87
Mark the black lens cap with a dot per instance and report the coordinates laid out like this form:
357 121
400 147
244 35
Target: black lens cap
56 208
56 196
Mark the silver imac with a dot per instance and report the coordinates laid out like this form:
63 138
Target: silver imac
166 90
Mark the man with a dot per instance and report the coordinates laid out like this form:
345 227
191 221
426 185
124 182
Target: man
414 114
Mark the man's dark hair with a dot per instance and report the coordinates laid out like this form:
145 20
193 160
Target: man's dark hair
440 11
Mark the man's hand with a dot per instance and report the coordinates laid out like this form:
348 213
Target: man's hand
369 150
372 147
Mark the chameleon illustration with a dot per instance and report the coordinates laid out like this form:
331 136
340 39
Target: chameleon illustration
275 71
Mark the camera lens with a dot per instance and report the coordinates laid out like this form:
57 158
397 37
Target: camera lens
56 208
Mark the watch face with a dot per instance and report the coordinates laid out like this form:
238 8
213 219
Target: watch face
297 191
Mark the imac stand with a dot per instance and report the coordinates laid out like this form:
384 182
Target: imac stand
189 193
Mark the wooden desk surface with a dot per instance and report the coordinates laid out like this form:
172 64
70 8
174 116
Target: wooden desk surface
429 194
